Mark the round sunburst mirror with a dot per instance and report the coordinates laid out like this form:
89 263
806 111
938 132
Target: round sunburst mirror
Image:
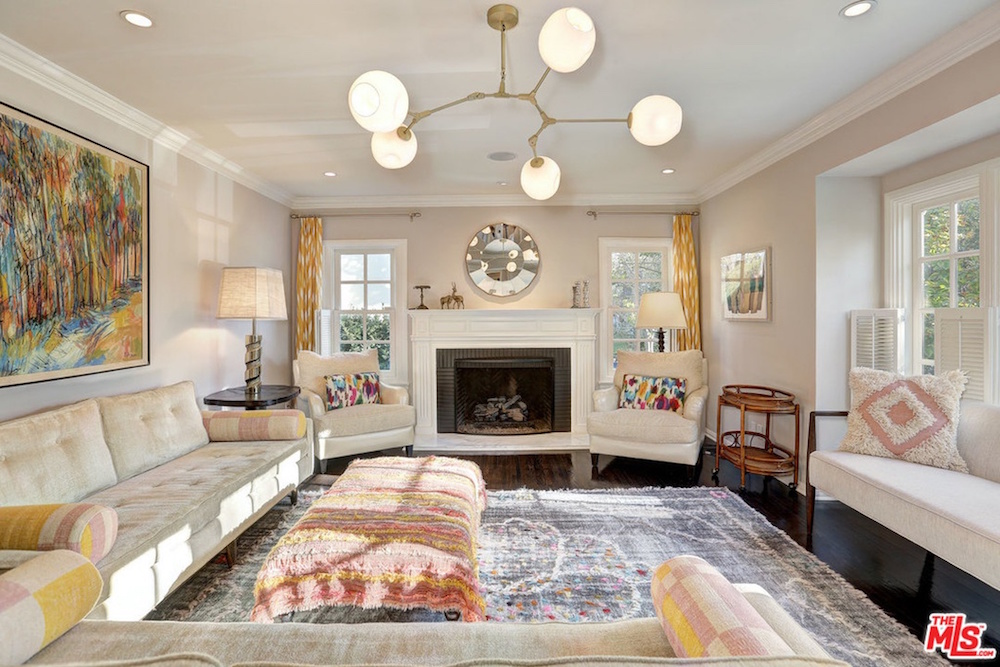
502 259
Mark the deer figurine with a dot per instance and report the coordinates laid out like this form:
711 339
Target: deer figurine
457 298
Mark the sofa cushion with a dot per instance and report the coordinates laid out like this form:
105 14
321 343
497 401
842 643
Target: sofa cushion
343 391
642 425
148 428
42 599
955 515
85 528
314 368
687 364
704 615
168 660
242 425
979 439
57 456
163 513
362 419
910 418
642 392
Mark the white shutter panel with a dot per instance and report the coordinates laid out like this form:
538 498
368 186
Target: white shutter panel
877 339
961 341
324 332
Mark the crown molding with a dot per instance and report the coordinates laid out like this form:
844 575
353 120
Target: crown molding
38 70
304 204
974 35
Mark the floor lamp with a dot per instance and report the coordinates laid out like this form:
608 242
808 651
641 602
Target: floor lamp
661 310
249 293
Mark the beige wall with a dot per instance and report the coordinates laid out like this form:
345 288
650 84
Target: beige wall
437 241
198 222
778 207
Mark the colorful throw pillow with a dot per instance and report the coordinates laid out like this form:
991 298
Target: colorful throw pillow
42 599
236 425
642 392
354 389
85 528
703 615
910 418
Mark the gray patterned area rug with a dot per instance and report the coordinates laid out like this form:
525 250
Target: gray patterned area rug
588 555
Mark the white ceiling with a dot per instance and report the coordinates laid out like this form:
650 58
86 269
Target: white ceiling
263 85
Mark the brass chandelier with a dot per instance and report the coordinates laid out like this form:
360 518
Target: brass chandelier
380 104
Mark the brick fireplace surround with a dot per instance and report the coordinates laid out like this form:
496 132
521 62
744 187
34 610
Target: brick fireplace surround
572 328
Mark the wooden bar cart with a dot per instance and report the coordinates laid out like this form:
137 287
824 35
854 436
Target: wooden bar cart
750 450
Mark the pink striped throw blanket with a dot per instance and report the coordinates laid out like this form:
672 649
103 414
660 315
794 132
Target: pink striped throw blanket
391 532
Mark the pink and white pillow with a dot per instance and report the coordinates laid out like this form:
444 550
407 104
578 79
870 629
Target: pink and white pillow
910 418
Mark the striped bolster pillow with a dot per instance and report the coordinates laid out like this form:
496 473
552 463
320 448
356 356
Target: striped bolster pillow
85 528
42 599
703 615
234 425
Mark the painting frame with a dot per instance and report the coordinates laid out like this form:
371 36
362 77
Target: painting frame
747 285
74 254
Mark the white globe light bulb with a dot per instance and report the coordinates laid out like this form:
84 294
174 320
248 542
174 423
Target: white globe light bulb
655 120
540 182
393 151
378 101
567 39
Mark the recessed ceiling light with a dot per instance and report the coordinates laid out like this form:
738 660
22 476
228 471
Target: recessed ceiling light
137 19
858 8
502 156
668 170
502 184
330 173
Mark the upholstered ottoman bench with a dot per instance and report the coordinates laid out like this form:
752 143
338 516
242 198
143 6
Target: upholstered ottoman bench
390 532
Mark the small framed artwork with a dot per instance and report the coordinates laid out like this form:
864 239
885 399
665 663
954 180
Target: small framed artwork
746 285
74 254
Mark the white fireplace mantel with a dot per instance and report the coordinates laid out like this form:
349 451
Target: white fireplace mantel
431 330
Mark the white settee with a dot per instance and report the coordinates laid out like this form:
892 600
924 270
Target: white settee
657 435
635 641
180 498
951 514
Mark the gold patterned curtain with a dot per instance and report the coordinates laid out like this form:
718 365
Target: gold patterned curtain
685 264
308 281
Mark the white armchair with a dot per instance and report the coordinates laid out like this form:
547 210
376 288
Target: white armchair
658 435
359 428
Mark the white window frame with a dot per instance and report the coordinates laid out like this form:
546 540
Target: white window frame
916 282
900 243
398 373
606 246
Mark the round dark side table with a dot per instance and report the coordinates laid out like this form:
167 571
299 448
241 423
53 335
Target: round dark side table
237 397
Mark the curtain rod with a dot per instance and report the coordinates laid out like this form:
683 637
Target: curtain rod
411 215
593 214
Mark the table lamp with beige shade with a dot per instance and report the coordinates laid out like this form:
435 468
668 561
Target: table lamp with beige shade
251 293
661 310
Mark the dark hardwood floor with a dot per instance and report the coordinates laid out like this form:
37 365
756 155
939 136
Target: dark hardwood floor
889 569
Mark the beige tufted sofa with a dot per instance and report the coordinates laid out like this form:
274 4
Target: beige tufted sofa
180 498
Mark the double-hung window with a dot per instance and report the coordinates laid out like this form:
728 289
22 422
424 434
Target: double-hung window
364 294
629 268
946 270
941 268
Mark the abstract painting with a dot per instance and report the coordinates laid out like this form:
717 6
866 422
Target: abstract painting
74 261
746 285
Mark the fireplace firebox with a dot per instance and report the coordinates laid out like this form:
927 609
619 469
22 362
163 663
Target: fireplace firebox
503 391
